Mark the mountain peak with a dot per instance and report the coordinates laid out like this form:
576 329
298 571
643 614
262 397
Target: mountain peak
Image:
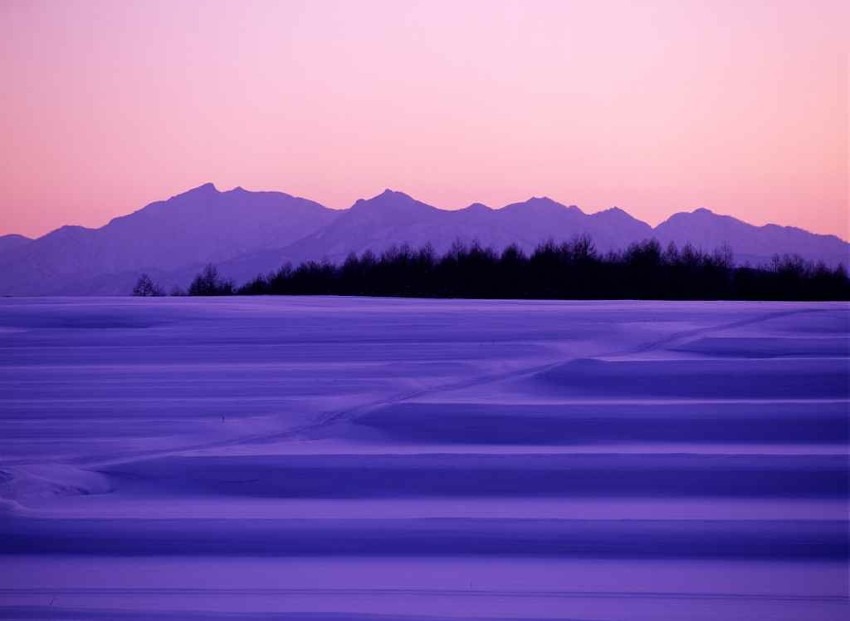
542 200
477 207
68 231
536 201
15 237
388 199
13 241
620 213
544 203
701 214
206 189
616 214
389 196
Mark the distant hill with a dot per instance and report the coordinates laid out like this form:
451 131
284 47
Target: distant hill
11 242
248 233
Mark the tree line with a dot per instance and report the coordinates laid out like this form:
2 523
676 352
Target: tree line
569 270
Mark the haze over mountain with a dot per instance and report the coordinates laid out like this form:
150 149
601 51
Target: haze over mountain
248 233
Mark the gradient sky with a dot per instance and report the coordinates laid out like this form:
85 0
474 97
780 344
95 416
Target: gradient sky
653 106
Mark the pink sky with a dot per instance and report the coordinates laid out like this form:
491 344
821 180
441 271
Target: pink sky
654 106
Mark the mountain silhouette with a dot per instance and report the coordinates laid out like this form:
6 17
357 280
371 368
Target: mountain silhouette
11 242
249 233
182 233
707 230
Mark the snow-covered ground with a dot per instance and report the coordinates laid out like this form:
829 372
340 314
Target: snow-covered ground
321 458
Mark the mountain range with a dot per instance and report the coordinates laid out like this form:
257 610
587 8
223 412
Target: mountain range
248 233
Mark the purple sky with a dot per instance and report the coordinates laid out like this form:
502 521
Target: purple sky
657 106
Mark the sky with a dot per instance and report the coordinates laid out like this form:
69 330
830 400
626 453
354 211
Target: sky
654 106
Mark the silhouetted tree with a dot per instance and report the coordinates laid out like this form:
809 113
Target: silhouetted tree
570 270
145 287
208 282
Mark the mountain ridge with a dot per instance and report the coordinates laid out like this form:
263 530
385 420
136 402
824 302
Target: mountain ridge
247 233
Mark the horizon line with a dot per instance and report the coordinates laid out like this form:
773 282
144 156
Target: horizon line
386 190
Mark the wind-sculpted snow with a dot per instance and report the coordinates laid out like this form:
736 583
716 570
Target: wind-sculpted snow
369 459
